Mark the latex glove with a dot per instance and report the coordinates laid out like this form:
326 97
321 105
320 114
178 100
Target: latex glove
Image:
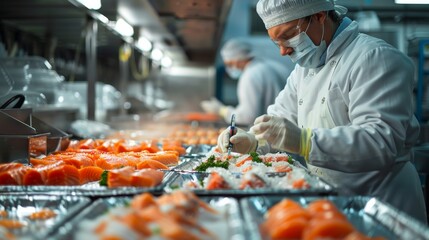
244 142
212 106
282 134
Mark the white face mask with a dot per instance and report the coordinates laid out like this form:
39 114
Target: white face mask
234 72
305 53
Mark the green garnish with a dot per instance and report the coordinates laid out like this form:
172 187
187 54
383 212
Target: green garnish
103 180
156 231
289 159
211 162
256 158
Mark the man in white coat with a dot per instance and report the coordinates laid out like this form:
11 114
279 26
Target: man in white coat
259 82
346 108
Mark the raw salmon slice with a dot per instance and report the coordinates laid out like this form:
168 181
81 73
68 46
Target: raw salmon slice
32 178
120 177
41 161
300 184
216 181
142 201
173 230
282 168
360 236
150 146
321 205
146 178
252 181
9 166
7 179
44 169
291 229
166 158
135 222
17 176
129 146
243 159
111 161
78 160
277 218
109 145
328 229
88 144
153 164
275 158
284 205
65 175
90 174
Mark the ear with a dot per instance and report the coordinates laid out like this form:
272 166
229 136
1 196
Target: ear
320 17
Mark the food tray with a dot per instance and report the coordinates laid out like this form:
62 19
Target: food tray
318 186
92 189
189 163
20 207
368 215
232 228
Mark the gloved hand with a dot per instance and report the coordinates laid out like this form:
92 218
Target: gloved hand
211 106
282 134
243 141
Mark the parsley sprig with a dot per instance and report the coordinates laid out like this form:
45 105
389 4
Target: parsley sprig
212 162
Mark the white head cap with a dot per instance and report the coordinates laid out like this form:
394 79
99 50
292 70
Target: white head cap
276 12
236 50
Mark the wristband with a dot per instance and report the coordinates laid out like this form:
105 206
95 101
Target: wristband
305 144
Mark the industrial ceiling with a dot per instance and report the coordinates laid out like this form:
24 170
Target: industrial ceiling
188 30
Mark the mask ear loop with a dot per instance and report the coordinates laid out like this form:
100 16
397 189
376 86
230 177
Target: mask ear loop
311 18
323 29
298 26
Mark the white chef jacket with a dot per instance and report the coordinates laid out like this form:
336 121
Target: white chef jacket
257 88
362 141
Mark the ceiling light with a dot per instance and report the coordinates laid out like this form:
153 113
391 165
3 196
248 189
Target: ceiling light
123 28
156 54
91 4
144 44
412 1
166 62
101 17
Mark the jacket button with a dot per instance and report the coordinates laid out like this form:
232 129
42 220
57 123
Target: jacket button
333 63
300 101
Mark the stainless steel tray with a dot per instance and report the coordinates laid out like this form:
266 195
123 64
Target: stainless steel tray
318 186
232 228
189 163
20 207
197 151
368 215
92 189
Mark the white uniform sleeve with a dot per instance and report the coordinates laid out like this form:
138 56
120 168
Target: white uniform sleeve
378 89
